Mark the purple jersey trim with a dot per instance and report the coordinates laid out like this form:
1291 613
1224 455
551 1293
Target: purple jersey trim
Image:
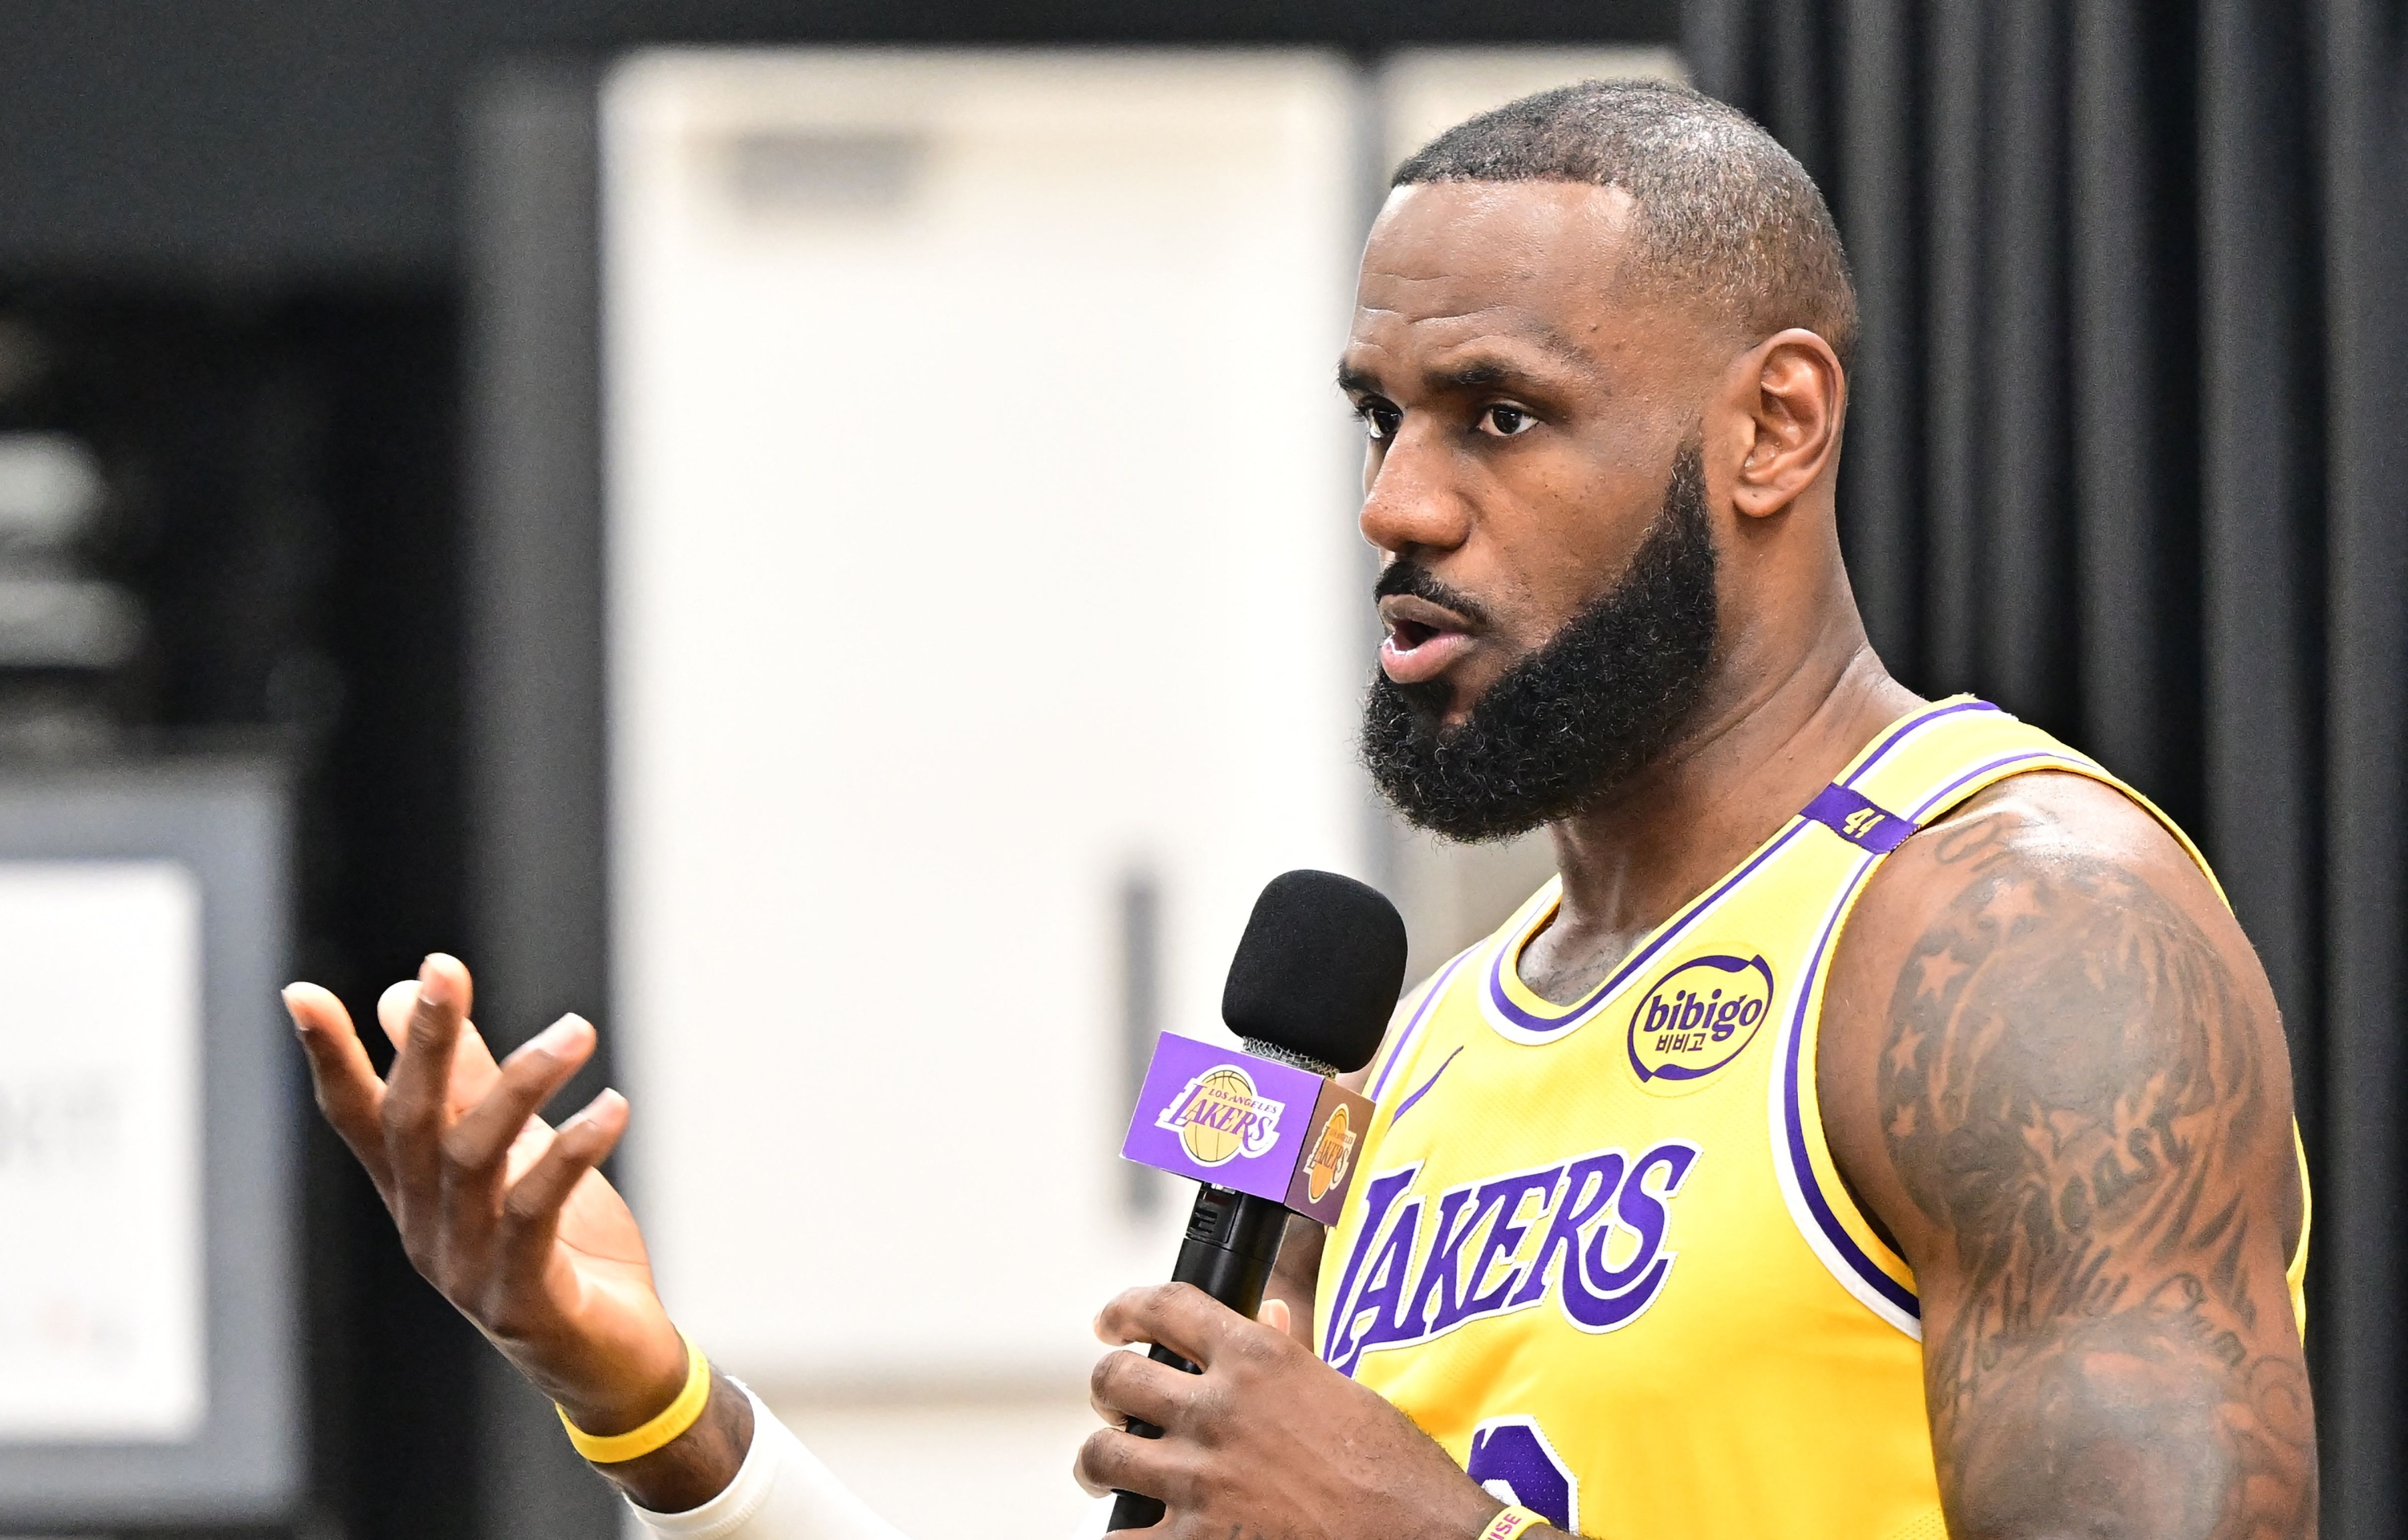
1902 729
1407 1104
1414 1024
1492 986
1941 796
1530 1021
1825 1218
1858 820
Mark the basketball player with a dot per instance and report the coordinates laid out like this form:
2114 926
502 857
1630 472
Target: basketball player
1881 1130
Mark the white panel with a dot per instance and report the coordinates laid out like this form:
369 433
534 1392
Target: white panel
981 529
100 1300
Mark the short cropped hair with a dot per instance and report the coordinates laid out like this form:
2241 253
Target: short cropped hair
1724 214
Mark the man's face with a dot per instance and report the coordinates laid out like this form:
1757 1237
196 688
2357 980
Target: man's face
1549 585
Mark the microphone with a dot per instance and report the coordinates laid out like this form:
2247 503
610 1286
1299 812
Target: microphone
1267 1132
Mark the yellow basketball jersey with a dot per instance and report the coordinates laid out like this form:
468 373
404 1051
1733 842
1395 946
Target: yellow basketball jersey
1600 1252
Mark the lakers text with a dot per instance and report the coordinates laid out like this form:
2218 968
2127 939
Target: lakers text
1588 1232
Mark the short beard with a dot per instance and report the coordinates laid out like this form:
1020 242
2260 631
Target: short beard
1573 722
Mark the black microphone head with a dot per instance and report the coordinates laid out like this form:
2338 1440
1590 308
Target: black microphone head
1318 970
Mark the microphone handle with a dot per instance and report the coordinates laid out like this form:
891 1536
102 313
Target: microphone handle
1232 1240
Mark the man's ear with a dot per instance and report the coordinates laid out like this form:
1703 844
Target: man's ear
1788 394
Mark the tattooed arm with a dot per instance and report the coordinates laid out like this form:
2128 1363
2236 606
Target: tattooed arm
2052 1069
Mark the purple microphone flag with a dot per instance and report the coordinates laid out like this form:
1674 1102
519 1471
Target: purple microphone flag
1227 1118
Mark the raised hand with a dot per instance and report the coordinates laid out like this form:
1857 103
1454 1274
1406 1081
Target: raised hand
504 1215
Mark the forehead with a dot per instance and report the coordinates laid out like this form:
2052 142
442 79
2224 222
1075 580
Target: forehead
1539 263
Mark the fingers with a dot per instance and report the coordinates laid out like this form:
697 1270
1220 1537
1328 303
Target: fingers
535 1137
1177 1315
473 1070
416 1100
1274 1314
348 1091
480 1141
531 1211
1130 1384
1113 1460
393 1010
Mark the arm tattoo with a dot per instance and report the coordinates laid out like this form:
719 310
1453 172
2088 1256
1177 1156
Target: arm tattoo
2070 1083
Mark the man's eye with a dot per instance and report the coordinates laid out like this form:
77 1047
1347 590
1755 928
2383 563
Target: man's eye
1380 420
1506 422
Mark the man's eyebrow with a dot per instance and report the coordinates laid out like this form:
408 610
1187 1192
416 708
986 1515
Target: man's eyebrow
1476 376
1354 381
1484 371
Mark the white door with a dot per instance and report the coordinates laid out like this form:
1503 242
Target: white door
982 533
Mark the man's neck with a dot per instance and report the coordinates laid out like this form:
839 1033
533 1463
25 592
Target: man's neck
1747 767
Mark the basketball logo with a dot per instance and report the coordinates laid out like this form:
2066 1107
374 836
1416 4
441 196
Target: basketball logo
1327 1166
1219 1115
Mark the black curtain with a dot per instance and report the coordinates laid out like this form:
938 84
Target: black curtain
2128 455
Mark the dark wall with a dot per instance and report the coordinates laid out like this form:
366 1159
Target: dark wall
283 499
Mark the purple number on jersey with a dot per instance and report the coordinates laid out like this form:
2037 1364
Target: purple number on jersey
1512 1462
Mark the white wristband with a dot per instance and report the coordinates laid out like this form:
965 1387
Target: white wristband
781 1492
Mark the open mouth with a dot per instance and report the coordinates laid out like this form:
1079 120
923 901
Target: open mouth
1422 638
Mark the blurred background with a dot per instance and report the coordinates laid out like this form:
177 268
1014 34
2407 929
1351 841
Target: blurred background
819 536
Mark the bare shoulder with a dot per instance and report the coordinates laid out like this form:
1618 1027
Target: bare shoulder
2049 924
2047 822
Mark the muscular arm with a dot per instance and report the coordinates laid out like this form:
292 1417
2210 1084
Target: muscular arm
2053 1069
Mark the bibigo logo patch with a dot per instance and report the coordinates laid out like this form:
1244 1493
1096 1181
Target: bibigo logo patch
1698 1017
1220 1115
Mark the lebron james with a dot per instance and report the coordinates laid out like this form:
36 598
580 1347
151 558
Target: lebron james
1880 1130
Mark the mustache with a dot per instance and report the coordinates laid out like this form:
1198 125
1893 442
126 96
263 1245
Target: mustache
1408 576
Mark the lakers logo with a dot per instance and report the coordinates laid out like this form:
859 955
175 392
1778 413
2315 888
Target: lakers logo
1590 1232
1698 1017
1326 1167
1219 1115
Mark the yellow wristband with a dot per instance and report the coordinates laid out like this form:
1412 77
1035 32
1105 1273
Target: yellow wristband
1511 1524
683 1413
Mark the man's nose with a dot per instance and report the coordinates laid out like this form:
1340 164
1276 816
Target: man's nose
1412 502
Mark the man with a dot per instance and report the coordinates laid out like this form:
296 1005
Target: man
1882 1129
